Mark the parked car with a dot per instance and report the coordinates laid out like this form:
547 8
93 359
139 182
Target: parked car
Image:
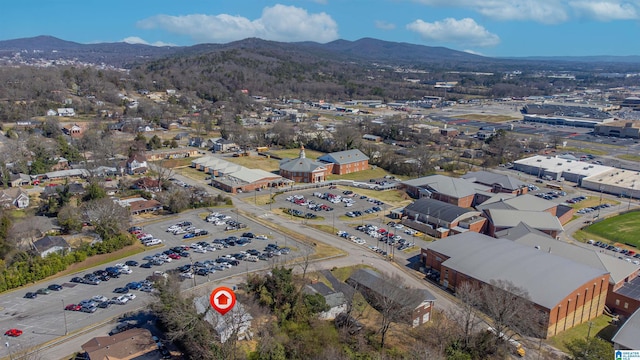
121 290
13 332
54 287
73 307
43 291
131 263
31 295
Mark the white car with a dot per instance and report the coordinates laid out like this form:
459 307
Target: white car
126 271
187 275
122 266
130 296
99 298
173 228
200 250
120 300
262 237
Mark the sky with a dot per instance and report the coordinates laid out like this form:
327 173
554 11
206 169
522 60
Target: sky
495 28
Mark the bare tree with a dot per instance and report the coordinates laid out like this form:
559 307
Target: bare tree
108 217
466 314
511 310
393 301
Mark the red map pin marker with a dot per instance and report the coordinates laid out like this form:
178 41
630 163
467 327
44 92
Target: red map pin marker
222 299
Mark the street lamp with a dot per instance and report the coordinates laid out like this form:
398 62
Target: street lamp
64 314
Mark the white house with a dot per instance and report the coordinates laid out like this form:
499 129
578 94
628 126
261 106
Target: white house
50 244
14 197
137 164
66 112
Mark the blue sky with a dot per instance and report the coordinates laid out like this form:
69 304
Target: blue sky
488 27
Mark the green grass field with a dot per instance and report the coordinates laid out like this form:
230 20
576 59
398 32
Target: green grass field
622 228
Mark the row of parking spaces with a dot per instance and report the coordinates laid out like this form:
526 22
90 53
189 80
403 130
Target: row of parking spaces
230 250
593 208
625 254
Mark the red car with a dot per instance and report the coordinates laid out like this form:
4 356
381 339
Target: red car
73 307
13 332
174 256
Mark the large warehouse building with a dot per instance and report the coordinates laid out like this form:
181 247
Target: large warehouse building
577 296
625 183
559 168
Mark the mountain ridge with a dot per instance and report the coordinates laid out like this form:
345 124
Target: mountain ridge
126 55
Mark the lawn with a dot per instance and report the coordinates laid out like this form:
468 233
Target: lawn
256 162
584 150
365 175
294 153
599 327
622 228
629 157
592 201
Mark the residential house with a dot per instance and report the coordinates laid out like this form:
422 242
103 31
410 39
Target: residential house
147 184
198 142
15 197
224 145
413 305
130 344
61 164
370 137
335 300
51 112
137 164
144 206
568 293
18 180
67 112
73 130
345 162
55 190
50 244
303 169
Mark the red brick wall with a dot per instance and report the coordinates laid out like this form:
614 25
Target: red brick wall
583 304
350 168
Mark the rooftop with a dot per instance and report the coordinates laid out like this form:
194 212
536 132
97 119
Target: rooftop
557 165
629 334
486 258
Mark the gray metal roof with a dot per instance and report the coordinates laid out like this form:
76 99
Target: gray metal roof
541 220
523 202
374 282
438 209
344 157
455 187
301 165
525 235
629 334
486 258
488 178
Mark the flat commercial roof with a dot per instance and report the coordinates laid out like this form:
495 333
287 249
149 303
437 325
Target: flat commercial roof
557 164
617 177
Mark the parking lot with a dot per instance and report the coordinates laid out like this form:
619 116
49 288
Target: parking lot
43 318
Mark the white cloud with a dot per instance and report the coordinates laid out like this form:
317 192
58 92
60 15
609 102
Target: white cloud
605 10
138 40
279 23
383 25
544 11
462 32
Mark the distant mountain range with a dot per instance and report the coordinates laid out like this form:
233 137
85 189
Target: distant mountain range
367 49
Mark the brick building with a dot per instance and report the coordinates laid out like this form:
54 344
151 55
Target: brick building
578 296
440 219
447 189
303 169
414 304
345 162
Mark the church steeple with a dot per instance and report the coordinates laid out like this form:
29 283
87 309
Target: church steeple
302 155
